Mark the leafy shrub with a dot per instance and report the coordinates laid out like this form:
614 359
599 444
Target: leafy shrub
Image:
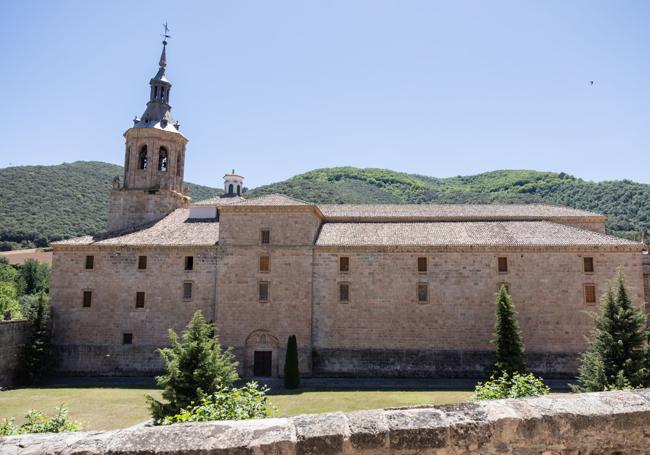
37 360
510 386
37 422
228 403
9 306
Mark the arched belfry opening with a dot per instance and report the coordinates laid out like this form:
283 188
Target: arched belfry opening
163 160
232 184
143 159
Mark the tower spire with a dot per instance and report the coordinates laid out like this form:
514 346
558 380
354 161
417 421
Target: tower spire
158 112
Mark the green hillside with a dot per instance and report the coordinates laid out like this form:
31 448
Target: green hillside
626 203
46 203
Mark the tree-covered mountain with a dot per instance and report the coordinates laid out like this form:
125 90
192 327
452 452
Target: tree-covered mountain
626 203
46 203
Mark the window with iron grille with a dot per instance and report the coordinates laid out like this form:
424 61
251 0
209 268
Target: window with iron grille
265 236
588 264
139 299
423 293
344 293
422 264
344 264
265 263
503 265
590 293
263 290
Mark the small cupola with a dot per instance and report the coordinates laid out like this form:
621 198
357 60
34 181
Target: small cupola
233 184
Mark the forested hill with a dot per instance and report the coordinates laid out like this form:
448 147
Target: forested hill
626 203
46 203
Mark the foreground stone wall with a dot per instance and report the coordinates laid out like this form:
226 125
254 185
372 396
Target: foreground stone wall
597 423
14 335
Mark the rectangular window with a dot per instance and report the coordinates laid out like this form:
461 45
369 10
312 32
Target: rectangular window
139 299
127 338
187 291
142 262
88 299
265 236
588 265
90 262
344 293
344 264
264 291
422 265
265 263
423 293
505 285
590 293
503 265
189 262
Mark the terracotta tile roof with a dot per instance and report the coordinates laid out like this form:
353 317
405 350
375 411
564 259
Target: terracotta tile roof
218 201
176 229
473 233
272 200
455 212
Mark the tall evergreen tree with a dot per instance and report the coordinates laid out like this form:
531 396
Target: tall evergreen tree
37 358
509 346
291 372
196 367
617 352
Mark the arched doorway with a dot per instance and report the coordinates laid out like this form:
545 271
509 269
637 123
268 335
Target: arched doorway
261 354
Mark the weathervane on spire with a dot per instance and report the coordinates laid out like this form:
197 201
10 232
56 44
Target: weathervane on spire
166 34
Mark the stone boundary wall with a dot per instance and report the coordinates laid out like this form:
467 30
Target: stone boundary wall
595 423
14 335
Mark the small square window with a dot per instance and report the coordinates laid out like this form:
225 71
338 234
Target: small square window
344 264
588 265
503 285
423 293
139 299
127 338
263 291
265 236
422 265
344 293
590 293
187 291
88 298
142 262
90 262
265 263
503 265
189 262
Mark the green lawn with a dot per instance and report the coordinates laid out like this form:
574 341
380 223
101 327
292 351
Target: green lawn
100 408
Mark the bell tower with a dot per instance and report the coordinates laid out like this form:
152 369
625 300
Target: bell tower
154 161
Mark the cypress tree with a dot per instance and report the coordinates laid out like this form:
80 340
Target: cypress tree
37 359
617 356
291 373
509 346
196 367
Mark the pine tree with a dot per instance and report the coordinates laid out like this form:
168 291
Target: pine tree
509 346
196 367
37 358
617 354
291 373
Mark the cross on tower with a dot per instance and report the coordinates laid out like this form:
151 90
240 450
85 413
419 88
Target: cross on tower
166 34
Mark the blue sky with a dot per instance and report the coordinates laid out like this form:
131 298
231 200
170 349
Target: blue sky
275 88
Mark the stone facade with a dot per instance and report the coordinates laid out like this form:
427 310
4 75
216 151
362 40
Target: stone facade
593 423
14 336
90 339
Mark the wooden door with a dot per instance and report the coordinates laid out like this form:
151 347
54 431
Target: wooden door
262 363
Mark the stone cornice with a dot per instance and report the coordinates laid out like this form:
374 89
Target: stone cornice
479 248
